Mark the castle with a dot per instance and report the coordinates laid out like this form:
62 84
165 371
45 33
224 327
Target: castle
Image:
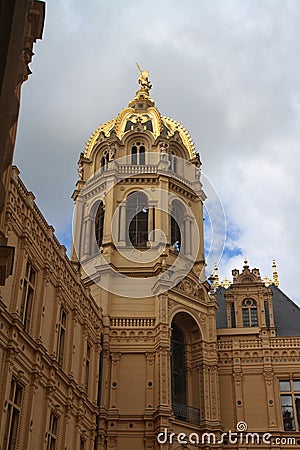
127 344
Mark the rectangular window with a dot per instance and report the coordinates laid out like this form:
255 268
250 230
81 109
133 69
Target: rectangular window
290 404
27 296
61 336
232 313
267 313
250 318
13 416
87 368
254 320
52 432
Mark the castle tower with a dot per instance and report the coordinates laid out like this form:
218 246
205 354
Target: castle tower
138 240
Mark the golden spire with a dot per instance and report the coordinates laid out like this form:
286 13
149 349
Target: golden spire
275 274
216 276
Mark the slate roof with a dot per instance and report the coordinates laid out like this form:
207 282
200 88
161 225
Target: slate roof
221 311
286 312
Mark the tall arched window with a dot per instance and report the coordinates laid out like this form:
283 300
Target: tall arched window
178 367
249 312
186 354
137 219
138 154
99 224
176 225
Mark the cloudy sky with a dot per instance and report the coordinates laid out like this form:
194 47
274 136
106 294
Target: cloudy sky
229 70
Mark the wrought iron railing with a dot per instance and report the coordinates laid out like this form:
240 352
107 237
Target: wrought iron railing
186 413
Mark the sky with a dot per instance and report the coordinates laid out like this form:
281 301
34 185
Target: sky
229 70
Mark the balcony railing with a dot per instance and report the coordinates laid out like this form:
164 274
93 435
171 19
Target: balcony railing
186 413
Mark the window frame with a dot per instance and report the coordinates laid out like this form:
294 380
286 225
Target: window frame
28 290
138 154
290 422
99 224
52 432
87 367
61 335
13 414
176 226
249 313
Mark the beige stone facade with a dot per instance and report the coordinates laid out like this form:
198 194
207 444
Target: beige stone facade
49 338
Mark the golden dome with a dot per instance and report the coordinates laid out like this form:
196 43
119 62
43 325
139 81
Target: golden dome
141 110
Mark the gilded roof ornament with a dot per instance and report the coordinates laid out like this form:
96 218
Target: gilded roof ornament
144 79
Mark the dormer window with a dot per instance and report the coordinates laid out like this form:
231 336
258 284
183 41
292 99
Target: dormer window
138 154
249 312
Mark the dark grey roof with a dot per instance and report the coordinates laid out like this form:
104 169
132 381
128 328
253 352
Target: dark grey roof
221 311
286 314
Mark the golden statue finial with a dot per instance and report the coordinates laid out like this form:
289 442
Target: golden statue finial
144 80
216 276
275 274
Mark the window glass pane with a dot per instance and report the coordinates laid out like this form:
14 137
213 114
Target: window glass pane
287 413
32 276
134 156
54 425
286 400
285 385
254 320
246 318
296 385
18 395
142 155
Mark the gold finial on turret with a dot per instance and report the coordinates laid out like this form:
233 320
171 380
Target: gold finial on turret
144 80
245 262
275 274
216 276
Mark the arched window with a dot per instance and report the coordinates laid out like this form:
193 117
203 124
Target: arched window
99 224
104 160
186 378
176 225
137 219
249 312
138 154
178 367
